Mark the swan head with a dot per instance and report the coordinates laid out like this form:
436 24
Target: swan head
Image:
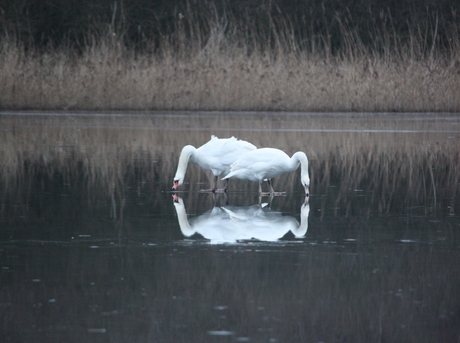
177 183
305 179
178 180
302 158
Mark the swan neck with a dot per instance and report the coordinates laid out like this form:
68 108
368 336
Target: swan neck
184 158
300 158
184 225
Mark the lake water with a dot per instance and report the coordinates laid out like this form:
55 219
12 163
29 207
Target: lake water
93 247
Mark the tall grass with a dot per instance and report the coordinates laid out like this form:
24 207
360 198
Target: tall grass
214 64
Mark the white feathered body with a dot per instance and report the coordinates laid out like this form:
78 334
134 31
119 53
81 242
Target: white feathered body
216 156
219 153
263 164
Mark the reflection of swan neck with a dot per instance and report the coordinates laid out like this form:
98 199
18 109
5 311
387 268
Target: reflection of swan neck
185 227
185 155
301 231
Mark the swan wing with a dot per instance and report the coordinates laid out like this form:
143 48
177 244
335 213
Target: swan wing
260 164
219 153
219 146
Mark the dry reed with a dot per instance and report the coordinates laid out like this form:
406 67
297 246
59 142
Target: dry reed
222 72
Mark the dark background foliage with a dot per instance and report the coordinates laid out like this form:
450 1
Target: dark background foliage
310 22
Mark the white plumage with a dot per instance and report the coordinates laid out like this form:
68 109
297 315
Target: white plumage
229 224
267 163
216 156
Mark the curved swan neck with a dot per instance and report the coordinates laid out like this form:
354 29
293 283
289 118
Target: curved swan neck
300 157
186 153
184 225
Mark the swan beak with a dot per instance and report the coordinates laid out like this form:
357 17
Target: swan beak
307 191
175 198
175 185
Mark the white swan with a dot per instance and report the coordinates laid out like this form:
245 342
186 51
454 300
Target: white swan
216 155
267 163
229 224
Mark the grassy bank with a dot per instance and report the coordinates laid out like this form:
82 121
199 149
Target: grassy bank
107 77
211 62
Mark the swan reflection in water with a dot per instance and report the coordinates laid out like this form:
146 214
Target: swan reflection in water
229 224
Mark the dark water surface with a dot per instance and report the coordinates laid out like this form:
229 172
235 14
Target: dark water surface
93 247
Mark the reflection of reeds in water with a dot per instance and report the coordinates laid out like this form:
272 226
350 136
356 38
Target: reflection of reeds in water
422 175
103 153
362 292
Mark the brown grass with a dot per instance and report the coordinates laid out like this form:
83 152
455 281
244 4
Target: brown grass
222 73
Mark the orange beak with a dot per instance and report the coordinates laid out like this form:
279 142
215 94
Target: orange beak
175 198
175 185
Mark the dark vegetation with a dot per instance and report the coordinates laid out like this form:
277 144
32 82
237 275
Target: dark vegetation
328 25
311 55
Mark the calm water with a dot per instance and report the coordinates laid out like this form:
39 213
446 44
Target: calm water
93 248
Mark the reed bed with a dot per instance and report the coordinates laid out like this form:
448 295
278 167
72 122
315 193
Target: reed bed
222 68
